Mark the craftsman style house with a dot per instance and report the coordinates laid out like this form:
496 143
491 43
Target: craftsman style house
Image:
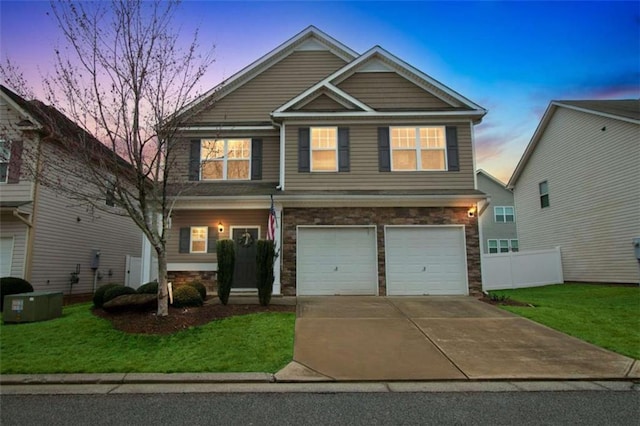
369 162
46 237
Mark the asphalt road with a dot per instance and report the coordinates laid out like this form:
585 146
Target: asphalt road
477 408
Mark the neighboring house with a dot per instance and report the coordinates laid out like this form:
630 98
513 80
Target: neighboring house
577 186
44 235
370 163
497 219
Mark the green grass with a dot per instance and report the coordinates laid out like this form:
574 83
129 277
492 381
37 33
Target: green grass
80 342
605 315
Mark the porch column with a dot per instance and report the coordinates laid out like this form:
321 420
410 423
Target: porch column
277 244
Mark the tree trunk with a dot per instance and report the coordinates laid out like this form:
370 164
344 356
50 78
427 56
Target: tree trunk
163 288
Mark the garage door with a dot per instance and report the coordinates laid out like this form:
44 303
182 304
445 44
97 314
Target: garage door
336 260
424 260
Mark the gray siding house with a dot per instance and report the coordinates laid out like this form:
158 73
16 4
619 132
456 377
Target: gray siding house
46 236
577 186
498 218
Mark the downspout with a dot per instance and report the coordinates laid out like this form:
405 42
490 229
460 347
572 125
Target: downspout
282 128
277 285
31 232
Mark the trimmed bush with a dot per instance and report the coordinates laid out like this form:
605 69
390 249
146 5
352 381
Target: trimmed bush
131 302
200 287
13 285
148 288
114 292
98 296
186 295
265 253
226 262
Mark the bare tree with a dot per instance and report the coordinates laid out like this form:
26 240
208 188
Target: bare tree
123 75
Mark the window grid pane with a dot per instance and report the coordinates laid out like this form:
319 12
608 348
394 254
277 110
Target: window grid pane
225 159
504 246
199 239
324 145
418 148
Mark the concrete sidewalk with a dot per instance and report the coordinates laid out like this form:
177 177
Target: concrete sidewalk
354 338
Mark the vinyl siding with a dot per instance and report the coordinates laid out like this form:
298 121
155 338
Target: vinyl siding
322 103
388 90
253 101
364 172
593 178
65 234
23 190
229 218
500 196
14 228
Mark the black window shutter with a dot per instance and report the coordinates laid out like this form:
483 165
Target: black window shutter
452 149
194 160
256 159
185 240
15 162
303 149
384 154
212 238
343 149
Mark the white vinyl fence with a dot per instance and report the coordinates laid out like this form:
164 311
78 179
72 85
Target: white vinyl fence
521 269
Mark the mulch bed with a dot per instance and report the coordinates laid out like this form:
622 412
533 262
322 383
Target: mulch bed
507 302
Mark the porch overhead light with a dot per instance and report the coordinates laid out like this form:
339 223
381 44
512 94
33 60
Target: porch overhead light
472 211
220 227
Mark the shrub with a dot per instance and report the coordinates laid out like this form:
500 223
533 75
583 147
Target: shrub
226 263
98 296
114 292
200 287
149 288
13 285
185 295
265 253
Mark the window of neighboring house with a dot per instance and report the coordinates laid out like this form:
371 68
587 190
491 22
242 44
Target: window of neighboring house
324 149
226 159
504 214
418 148
544 194
110 199
198 239
5 156
502 246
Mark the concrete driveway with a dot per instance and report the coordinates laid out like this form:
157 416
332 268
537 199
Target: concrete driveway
436 338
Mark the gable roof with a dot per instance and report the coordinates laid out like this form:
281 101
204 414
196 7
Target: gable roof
22 107
492 178
627 110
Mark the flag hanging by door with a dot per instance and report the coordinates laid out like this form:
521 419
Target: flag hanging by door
271 226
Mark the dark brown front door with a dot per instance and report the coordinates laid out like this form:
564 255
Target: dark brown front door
244 274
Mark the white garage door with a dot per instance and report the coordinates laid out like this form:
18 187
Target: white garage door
6 254
424 260
335 260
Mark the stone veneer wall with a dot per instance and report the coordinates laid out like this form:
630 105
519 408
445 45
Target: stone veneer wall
208 278
379 216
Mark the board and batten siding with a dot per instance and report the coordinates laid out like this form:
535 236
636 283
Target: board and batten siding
255 99
210 218
364 171
388 90
18 231
492 230
594 180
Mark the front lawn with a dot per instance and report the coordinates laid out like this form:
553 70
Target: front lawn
80 342
605 315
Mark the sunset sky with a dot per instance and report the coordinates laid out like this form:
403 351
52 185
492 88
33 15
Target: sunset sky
512 58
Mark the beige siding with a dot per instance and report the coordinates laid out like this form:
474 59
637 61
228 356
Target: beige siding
65 234
593 179
323 103
253 101
500 196
12 227
229 218
364 172
23 190
388 90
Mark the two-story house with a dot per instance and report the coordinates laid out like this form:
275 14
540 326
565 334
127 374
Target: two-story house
45 235
497 219
370 163
577 187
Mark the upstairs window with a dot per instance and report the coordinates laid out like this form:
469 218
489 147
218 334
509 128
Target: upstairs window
418 148
5 157
225 159
198 239
324 149
543 187
504 214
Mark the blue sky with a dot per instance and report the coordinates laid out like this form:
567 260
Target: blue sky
512 58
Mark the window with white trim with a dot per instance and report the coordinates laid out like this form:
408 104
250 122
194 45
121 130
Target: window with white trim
198 243
418 148
543 188
324 149
502 246
225 159
5 157
504 214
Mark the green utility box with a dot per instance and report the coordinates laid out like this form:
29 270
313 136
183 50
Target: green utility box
31 307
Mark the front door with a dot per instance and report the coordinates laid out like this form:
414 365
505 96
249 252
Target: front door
244 274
